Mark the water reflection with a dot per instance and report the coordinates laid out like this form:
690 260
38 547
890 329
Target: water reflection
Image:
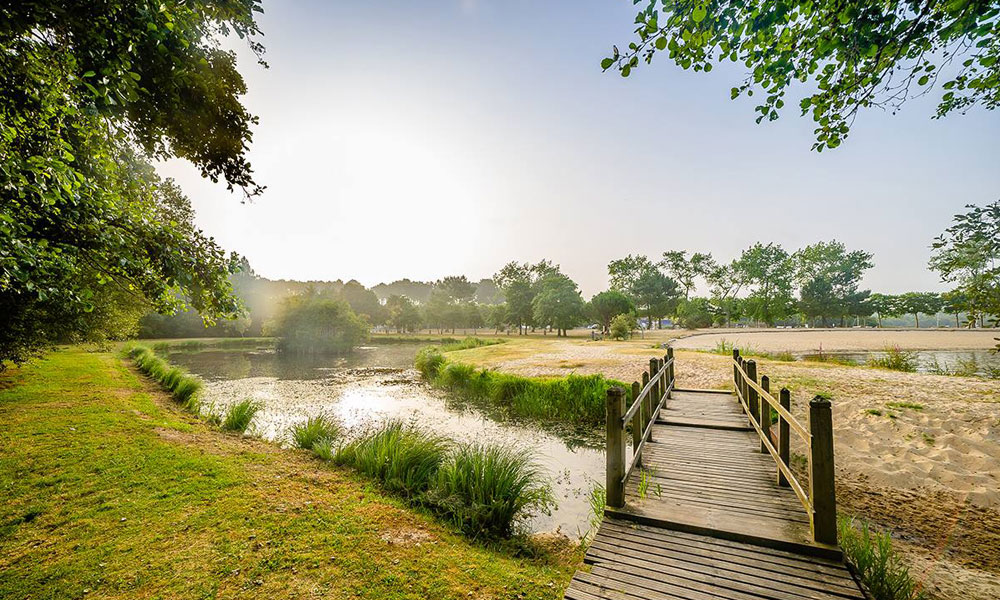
379 383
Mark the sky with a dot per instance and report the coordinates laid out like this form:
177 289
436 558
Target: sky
434 138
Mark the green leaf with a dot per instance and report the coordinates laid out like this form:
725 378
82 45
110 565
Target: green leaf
923 80
607 62
699 13
661 43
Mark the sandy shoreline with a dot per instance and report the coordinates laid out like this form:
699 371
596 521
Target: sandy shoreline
843 340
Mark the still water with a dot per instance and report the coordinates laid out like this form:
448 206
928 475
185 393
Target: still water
378 383
981 362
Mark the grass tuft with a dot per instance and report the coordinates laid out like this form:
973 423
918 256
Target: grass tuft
485 490
239 415
403 458
895 359
314 429
182 386
876 563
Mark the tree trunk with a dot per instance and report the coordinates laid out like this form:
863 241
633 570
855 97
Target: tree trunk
917 317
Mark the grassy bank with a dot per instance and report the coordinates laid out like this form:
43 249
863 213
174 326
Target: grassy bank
571 398
109 489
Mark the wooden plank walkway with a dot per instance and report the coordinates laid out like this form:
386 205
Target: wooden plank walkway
710 521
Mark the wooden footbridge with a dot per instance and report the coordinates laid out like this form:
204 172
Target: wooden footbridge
706 505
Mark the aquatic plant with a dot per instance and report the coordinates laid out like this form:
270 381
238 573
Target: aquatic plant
314 429
403 458
598 500
324 448
876 562
239 415
486 489
429 361
895 359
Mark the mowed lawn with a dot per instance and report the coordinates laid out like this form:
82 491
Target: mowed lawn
108 490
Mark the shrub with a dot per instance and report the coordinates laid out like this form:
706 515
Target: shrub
314 429
622 327
486 489
310 324
239 415
429 361
895 359
403 458
877 564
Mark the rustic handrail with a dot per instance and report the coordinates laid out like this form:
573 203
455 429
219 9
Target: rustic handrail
756 400
641 415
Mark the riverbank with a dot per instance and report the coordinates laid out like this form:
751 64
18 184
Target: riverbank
110 489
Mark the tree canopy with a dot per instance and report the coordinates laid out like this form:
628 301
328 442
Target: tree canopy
89 92
968 254
847 55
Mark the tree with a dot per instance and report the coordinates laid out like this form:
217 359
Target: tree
884 305
968 253
311 323
496 316
457 288
725 282
403 314
622 326
655 294
625 272
828 276
606 305
694 313
955 303
363 302
849 55
915 303
683 269
514 280
87 92
768 270
472 316
558 303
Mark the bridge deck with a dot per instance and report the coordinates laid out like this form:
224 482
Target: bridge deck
710 521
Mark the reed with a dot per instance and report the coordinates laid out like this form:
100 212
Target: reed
183 387
403 458
895 359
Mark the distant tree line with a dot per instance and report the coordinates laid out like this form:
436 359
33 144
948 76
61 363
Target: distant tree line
817 285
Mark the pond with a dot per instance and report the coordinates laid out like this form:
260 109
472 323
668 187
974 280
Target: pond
374 384
966 362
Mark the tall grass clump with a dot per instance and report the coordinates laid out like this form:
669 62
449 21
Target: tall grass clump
485 490
182 386
876 563
403 458
895 359
239 415
573 398
469 342
305 435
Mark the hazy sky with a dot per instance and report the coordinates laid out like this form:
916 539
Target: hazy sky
424 139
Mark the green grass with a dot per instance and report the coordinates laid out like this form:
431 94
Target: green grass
468 343
109 487
901 405
572 398
239 416
873 411
895 359
314 429
197 345
878 566
725 348
598 500
485 490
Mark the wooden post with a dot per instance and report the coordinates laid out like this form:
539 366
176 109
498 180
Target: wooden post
821 471
743 378
614 486
765 413
736 373
752 393
638 422
647 401
670 356
654 392
783 447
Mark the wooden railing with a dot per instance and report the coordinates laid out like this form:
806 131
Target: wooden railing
755 397
647 399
